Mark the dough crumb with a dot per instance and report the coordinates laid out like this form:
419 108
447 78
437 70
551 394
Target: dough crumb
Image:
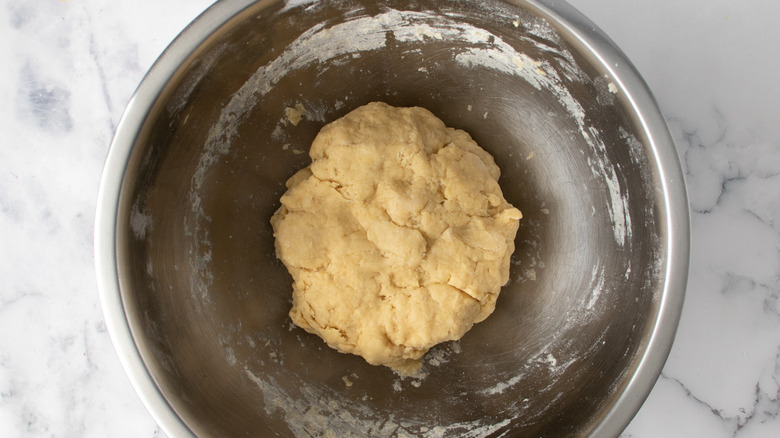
294 115
397 236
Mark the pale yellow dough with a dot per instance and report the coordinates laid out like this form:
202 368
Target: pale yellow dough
397 236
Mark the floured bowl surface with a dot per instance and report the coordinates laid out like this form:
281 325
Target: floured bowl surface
197 302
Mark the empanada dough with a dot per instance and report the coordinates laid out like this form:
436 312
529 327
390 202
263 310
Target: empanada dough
397 236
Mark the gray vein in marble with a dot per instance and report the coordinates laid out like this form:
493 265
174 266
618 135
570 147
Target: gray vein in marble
101 72
721 160
765 405
741 284
20 14
691 396
47 103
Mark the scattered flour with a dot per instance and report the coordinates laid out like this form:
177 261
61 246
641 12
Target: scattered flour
140 222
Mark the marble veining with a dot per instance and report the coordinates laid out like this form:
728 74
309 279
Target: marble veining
70 67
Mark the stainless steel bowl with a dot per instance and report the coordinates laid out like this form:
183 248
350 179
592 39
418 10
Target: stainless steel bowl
196 302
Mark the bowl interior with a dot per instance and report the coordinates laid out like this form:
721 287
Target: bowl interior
207 300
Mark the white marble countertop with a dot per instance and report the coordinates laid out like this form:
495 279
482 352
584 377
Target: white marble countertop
71 66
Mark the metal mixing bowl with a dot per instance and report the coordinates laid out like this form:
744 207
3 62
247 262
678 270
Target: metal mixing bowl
196 301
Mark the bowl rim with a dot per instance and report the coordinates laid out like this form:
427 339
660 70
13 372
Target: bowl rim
108 199
672 179
561 15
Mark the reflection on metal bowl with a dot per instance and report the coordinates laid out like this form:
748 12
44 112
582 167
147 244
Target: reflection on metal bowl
197 302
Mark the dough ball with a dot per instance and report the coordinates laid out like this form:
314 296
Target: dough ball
397 236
